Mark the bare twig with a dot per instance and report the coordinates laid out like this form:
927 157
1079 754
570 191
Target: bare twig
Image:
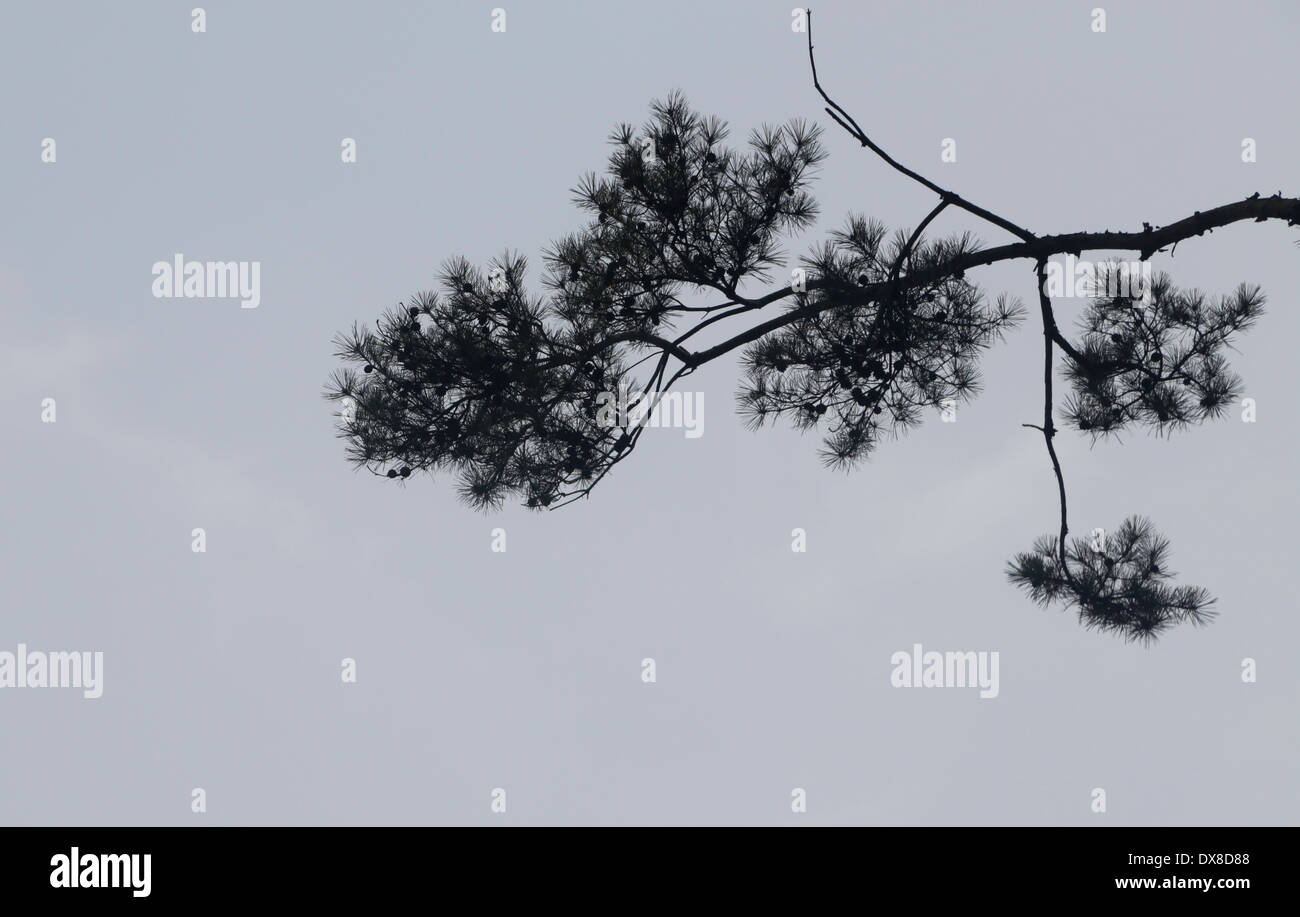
1049 428
846 121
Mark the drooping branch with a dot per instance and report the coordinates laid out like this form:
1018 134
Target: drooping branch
1049 426
1117 583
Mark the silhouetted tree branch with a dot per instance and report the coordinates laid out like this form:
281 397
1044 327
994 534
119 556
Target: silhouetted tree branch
502 387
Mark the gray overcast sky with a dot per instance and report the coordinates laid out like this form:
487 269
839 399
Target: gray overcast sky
522 670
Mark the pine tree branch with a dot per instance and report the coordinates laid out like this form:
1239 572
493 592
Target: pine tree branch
501 388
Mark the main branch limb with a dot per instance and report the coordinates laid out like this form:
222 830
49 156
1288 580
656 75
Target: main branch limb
1039 249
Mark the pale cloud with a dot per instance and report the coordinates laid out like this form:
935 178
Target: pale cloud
226 486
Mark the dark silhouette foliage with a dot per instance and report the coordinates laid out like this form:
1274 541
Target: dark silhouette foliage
1119 585
501 388
864 371
1157 363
